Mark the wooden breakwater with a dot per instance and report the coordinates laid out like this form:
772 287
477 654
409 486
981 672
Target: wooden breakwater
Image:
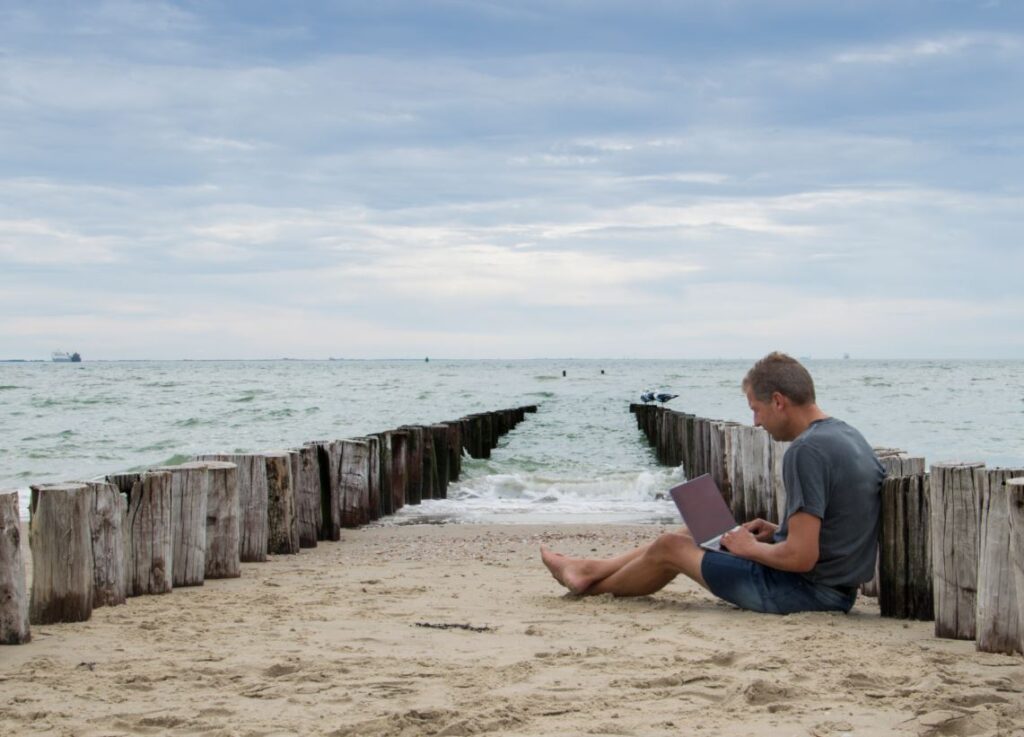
95 543
951 544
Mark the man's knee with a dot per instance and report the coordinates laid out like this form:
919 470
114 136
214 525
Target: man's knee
670 546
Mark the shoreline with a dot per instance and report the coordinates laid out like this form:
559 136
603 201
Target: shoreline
459 630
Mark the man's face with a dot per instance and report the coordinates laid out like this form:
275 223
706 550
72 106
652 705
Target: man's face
768 415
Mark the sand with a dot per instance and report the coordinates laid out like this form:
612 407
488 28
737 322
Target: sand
459 630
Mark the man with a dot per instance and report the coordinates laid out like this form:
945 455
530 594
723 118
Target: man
814 561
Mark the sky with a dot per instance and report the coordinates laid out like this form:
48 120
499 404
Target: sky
533 178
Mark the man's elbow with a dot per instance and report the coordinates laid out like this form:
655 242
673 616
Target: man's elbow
805 562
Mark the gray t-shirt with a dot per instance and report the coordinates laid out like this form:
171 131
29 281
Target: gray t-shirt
831 472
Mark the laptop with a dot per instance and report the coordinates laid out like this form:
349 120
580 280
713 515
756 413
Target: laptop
704 511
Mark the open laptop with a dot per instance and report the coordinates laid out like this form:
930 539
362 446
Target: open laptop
704 511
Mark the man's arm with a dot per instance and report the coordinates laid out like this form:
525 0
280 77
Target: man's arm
797 553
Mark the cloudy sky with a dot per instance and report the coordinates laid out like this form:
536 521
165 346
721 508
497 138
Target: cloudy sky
511 178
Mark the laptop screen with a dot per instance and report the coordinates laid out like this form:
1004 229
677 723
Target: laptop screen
703 508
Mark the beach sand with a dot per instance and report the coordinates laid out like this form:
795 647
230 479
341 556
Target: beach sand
459 630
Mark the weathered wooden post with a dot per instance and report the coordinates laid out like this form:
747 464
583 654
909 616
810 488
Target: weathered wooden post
429 468
1015 512
398 441
386 500
372 511
751 474
491 420
896 462
14 596
281 517
190 489
329 463
717 453
355 481
61 541
149 535
109 507
252 502
306 478
905 554
454 450
222 558
440 437
734 445
689 445
956 494
414 463
999 601
776 452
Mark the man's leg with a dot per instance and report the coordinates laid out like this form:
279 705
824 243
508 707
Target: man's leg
579 574
660 562
636 573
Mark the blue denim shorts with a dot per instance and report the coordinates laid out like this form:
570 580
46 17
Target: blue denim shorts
752 586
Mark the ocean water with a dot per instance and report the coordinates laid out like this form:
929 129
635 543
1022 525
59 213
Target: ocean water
579 459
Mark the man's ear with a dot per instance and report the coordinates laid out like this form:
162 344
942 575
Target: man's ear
779 400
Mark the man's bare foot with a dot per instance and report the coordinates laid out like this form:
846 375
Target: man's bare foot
567 571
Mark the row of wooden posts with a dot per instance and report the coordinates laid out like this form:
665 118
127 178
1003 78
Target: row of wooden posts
951 545
97 542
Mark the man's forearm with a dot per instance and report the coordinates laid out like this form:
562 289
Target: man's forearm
781 556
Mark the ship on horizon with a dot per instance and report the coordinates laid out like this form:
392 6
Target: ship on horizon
62 357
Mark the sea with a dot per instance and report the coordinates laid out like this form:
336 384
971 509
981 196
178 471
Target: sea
579 459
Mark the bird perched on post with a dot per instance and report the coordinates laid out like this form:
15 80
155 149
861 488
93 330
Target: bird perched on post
664 396
646 397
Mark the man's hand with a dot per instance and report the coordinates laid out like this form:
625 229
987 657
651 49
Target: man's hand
761 529
739 542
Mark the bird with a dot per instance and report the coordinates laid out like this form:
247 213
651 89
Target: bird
664 396
647 396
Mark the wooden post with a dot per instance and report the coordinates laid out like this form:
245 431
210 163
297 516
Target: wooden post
700 445
905 561
190 490
717 453
355 482
386 500
776 452
282 530
329 465
440 436
399 445
1015 513
734 445
306 479
109 507
689 445
896 463
414 463
149 536
429 468
491 427
956 494
222 559
999 602
252 503
61 542
372 511
454 450
751 473
14 596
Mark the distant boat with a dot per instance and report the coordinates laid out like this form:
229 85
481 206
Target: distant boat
62 357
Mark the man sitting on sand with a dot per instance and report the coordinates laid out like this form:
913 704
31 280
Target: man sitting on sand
814 561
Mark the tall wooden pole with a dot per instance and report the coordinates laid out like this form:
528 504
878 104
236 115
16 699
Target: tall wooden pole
14 596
